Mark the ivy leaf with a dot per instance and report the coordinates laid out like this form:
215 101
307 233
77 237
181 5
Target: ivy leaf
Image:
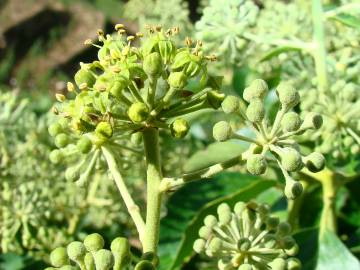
348 20
188 207
334 255
307 239
277 51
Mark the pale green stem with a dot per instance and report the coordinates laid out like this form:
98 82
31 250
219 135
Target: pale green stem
353 134
154 195
319 52
277 122
152 92
170 183
131 206
245 139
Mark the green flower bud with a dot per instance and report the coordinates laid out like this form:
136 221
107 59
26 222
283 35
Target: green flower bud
222 131
84 76
287 242
255 111
291 159
68 267
284 229
104 130
94 242
118 86
205 232
104 259
84 145
144 265
315 162
76 251
215 245
177 80
199 245
179 128
278 264
293 250
72 174
151 257
355 149
288 96
245 266
55 129
58 257
348 141
56 156
312 121
89 261
239 208
215 98
257 90
210 221
272 223
256 164
230 104
293 264
61 140
138 112
291 121
293 189
120 248
152 65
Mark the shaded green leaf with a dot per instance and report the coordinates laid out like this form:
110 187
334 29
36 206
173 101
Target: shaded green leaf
348 20
277 51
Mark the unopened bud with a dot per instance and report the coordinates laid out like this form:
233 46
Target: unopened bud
222 131
138 112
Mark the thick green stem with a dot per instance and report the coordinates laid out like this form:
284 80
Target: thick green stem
319 52
154 195
328 215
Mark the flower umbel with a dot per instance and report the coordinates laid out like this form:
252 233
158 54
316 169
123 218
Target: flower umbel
247 238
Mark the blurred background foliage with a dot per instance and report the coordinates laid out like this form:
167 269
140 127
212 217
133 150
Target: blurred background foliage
41 45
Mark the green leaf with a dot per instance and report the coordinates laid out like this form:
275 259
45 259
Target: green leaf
215 153
188 207
307 239
277 51
348 20
334 255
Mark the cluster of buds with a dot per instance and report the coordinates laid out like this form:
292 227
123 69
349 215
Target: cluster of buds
247 238
91 255
24 209
340 135
129 89
272 142
222 27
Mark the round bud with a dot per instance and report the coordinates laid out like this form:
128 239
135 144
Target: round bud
205 232
76 251
215 98
255 111
291 121
72 174
199 245
293 250
120 248
222 131
151 257
284 229
179 128
118 86
223 208
287 242
245 266
144 265
239 208
230 104
138 112
55 129
355 149
224 218
257 90
210 221
94 242
104 259
89 261
215 245
152 65
293 189
256 164
288 96
56 156
278 264
61 140
291 159
293 264
84 76
177 80
315 162
272 223
312 121
348 141
58 257
84 145
104 130
243 244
